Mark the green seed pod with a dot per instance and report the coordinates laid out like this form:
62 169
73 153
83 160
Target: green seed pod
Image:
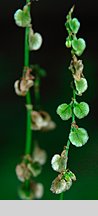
78 46
35 40
81 85
65 111
81 110
78 137
74 25
22 17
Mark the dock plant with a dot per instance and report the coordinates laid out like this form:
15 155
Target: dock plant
78 136
37 119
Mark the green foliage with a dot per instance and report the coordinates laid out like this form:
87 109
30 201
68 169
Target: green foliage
81 85
74 25
81 110
22 17
64 111
78 137
78 46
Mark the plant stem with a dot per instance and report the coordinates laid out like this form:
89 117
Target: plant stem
68 142
74 98
37 92
28 97
67 147
73 120
62 196
28 130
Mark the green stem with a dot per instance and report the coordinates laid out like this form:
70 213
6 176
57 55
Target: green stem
28 130
37 92
74 98
68 142
28 97
67 147
26 53
73 120
62 196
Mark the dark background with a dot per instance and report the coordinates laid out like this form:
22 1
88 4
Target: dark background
48 18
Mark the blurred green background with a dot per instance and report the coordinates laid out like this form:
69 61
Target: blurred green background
48 19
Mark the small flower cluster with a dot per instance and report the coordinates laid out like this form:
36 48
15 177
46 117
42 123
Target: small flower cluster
35 191
29 168
41 120
63 181
23 85
76 67
39 155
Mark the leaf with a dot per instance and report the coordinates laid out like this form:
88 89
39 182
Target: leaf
74 25
22 17
35 40
64 111
78 137
81 85
81 110
78 46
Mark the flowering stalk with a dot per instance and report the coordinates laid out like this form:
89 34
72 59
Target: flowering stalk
31 164
37 120
77 136
68 142
73 121
28 96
